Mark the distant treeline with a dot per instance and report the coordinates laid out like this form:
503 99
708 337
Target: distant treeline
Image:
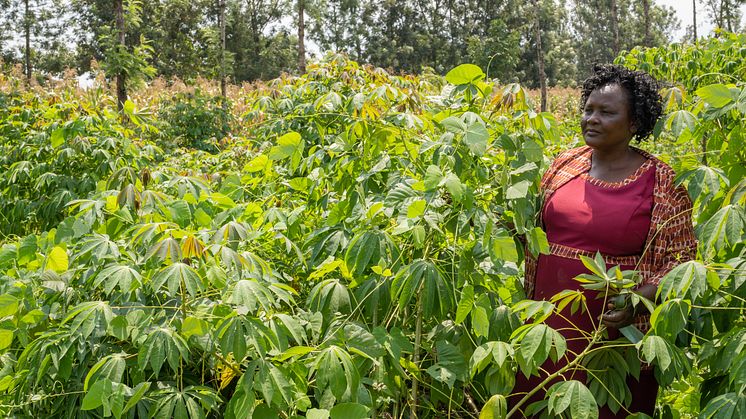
246 40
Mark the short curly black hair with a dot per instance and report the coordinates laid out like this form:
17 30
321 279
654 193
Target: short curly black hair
646 105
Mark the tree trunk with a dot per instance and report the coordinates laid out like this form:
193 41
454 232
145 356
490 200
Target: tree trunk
614 29
646 21
301 38
120 78
540 56
27 52
221 17
694 19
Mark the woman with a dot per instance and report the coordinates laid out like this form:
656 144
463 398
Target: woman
615 199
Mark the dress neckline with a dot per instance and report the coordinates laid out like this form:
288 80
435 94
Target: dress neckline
647 164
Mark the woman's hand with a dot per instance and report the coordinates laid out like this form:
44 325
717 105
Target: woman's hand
618 318
621 312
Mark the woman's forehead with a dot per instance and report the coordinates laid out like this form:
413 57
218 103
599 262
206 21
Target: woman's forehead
612 91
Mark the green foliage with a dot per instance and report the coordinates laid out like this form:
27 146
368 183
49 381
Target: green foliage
195 120
359 233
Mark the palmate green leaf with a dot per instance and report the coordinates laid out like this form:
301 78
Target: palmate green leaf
725 406
293 327
724 227
423 276
680 120
99 247
95 396
349 411
116 275
495 408
360 341
536 310
688 280
536 345
275 384
608 381
490 353
703 182
670 318
451 365
160 346
232 231
165 250
110 367
251 294
465 304
572 397
90 317
335 370
330 296
137 394
363 251
174 276
286 146
655 348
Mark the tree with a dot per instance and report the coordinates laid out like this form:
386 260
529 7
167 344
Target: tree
260 47
594 26
540 54
40 26
301 37
725 14
221 17
556 46
694 19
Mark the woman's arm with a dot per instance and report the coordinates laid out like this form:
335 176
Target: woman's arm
675 243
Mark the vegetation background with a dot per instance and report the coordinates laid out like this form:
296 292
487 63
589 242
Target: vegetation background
217 228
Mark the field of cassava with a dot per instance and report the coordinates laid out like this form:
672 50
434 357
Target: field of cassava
346 244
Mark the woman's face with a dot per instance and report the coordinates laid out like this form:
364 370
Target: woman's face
606 121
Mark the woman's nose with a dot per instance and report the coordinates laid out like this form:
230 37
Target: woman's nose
590 117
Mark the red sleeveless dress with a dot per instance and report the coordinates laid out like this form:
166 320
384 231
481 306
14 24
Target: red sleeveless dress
582 217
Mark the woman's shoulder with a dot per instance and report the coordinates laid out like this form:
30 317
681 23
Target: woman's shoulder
573 153
579 156
664 172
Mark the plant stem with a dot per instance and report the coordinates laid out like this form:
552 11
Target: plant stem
576 361
416 357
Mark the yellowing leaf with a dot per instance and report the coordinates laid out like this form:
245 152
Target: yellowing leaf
257 164
286 146
6 338
326 266
416 208
57 260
